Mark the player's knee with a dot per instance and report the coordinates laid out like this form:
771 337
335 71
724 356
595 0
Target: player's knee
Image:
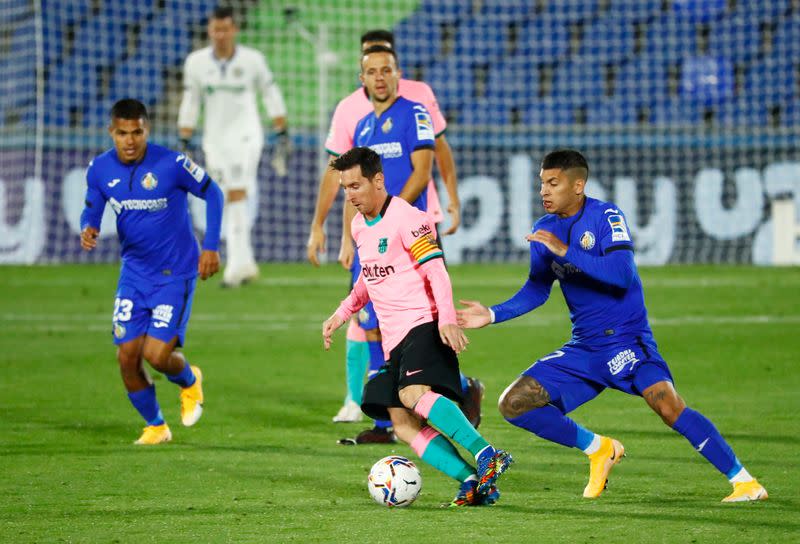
411 394
235 195
670 411
158 358
128 359
521 397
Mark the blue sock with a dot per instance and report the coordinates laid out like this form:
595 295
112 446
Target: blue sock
464 383
705 438
375 355
375 362
549 423
584 437
184 378
146 404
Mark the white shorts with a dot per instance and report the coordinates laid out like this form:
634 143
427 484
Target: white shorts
234 171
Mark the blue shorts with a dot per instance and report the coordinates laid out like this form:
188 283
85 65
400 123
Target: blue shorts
367 318
577 373
160 311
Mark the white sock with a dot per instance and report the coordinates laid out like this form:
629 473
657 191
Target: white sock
593 446
238 240
741 477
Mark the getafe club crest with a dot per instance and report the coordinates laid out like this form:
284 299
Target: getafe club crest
587 240
149 181
119 331
387 126
383 245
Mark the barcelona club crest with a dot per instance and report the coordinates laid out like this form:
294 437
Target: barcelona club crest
587 240
383 245
149 181
387 126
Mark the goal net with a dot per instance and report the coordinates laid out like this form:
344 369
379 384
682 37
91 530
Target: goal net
687 110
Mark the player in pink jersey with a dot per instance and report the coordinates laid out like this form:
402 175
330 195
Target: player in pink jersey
403 273
340 139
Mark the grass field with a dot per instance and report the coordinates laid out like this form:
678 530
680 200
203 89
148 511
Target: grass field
263 465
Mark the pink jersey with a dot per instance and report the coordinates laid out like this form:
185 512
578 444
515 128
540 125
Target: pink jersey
353 108
400 272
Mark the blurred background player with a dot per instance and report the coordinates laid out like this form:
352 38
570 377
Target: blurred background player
340 138
404 275
224 78
146 185
585 244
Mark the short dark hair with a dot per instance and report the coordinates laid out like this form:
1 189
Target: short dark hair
222 12
367 159
129 108
378 35
380 49
566 159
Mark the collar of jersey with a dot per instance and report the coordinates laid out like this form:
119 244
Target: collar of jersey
393 104
371 222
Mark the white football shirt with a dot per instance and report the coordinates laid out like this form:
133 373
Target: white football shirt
227 90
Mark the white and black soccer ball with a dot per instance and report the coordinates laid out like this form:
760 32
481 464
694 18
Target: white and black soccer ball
394 481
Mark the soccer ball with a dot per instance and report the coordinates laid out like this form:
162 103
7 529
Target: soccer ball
394 481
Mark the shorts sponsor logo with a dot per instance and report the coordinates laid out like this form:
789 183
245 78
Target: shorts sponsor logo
383 245
149 181
119 331
162 315
624 357
363 316
422 231
619 231
587 240
424 126
412 372
387 126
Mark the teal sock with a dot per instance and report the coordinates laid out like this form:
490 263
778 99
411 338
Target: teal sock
448 418
357 359
438 452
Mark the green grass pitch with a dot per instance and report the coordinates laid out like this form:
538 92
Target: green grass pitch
263 465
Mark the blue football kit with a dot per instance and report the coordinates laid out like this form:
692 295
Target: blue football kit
612 344
403 128
159 251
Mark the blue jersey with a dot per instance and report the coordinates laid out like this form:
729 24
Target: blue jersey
399 131
598 276
149 198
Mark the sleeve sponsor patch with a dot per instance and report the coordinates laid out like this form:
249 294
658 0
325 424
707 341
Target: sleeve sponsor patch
619 230
424 126
194 169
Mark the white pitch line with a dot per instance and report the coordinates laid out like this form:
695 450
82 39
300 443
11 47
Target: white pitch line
511 282
229 323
